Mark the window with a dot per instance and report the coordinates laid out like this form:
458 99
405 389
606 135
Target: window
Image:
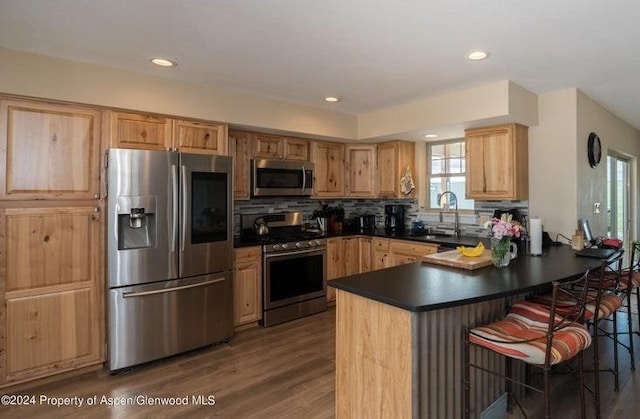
446 166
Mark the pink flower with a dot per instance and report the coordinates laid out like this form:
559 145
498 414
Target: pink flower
504 227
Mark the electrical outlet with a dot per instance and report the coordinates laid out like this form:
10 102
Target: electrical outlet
596 208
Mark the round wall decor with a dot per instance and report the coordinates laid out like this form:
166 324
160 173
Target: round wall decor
594 149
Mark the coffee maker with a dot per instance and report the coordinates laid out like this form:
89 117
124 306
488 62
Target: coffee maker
394 217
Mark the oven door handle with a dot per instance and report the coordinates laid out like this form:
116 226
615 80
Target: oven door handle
296 252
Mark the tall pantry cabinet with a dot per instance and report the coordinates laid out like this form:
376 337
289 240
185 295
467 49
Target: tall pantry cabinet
51 268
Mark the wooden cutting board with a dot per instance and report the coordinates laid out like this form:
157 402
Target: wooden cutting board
455 259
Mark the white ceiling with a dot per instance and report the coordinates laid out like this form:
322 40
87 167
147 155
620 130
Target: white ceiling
373 54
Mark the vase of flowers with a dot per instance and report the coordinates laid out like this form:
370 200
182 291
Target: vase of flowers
502 249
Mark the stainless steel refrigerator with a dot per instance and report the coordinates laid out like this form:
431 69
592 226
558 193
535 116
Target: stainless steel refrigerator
170 244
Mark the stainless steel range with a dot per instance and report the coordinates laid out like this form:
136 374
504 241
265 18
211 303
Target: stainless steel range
293 267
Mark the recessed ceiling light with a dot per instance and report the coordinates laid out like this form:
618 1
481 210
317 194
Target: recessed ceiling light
163 62
331 99
477 55
431 136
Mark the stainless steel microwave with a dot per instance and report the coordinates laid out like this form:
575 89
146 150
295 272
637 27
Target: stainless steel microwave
281 177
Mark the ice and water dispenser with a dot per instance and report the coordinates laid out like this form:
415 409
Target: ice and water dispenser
136 222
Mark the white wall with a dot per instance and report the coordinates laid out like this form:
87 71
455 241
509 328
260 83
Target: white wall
552 163
562 185
52 78
614 134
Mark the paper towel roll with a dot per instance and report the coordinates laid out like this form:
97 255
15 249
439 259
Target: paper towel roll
535 235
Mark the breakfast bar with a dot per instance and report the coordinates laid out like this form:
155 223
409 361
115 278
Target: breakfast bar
399 332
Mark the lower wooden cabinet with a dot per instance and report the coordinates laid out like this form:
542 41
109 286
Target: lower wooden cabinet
366 254
247 285
404 251
53 292
335 263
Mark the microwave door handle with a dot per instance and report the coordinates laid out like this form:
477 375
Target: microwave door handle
304 179
174 207
184 206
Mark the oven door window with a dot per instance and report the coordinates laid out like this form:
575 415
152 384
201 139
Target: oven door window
295 278
208 207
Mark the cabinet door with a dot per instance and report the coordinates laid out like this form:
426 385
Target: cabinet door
53 298
361 171
387 169
267 146
200 137
497 162
296 149
247 286
49 151
381 260
328 178
366 256
474 152
335 263
351 255
132 130
240 149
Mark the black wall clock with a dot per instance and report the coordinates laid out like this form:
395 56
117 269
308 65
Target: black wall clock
594 149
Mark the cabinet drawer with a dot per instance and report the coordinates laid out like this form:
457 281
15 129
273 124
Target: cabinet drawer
412 248
380 245
250 253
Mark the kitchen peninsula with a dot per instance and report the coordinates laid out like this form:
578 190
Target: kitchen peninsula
399 332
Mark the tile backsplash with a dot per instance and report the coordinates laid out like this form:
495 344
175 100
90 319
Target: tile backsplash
470 224
352 207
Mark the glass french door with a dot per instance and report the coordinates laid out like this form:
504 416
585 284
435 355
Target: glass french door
618 197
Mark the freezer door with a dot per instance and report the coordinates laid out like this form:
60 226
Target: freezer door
206 206
154 321
142 216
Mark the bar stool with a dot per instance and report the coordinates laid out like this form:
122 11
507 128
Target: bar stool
538 335
602 302
629 285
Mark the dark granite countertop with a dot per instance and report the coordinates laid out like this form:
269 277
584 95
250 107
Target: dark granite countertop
445 241
423 287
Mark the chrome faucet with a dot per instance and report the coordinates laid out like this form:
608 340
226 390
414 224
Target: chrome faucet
456 226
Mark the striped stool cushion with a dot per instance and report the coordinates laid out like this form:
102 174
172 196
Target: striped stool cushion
530 321
609 302
635 280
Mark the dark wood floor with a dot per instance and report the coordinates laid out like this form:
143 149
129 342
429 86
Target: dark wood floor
286 371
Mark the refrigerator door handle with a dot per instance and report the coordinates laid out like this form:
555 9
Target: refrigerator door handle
184 206
162 291
174 207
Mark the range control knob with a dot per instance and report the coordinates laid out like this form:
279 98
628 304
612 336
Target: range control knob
285 246
313 243
276 247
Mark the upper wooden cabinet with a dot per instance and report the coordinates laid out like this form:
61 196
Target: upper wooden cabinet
132 130
497 162
275 147
200 137
395 159
361 171
328 178
151 132
49 151
240 149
